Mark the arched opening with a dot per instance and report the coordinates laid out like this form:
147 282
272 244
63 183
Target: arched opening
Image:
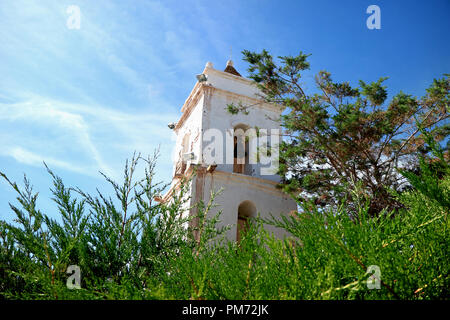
246 211
184 149
241 150
185 143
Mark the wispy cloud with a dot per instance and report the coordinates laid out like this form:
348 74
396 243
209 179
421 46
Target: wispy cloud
30 158
84 100
80 138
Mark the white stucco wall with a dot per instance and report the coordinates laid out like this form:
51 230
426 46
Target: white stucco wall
193 127
206 108
217 116
237 188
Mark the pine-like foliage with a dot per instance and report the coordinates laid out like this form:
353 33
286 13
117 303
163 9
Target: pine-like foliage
337 134
119 244
134 248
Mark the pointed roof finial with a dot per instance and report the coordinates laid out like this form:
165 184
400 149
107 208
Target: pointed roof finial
230 61
230 69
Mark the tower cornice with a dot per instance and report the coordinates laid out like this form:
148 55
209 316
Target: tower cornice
200 88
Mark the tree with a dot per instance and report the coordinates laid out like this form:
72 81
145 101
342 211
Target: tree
342 136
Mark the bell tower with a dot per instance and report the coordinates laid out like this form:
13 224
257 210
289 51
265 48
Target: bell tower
233 151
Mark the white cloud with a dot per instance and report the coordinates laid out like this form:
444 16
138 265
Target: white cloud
29 158
84 100
80 138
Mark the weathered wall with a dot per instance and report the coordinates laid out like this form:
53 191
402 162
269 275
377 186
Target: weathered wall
206 108
238 188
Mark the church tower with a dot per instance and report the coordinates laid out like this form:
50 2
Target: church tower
233 151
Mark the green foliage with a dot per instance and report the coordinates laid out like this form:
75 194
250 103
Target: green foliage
118 245
134 248
344 145
235 109
340 135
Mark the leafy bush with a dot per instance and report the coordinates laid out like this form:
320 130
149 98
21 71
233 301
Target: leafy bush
134 248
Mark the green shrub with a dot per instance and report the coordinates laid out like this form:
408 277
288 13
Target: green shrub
134 248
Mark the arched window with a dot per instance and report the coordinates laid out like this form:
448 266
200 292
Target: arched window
246 211
185 143
241 150
185 149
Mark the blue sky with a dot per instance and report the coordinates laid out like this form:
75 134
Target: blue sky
83 100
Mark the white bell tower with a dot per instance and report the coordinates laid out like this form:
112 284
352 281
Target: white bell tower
230 150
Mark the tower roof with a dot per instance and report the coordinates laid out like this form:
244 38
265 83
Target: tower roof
230 69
